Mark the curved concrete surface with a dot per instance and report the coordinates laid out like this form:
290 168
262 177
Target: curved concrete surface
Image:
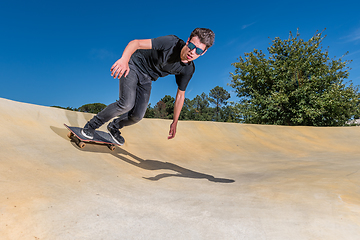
213 181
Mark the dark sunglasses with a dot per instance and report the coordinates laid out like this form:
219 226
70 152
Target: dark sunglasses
198 51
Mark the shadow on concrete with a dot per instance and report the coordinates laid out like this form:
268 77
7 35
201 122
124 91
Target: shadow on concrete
159 165
147 164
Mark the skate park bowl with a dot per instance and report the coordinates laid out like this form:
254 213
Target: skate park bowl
212 181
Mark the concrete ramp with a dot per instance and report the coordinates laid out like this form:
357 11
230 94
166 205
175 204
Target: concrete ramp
213 181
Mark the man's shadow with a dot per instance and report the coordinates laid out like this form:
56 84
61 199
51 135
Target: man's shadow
147 164
158 165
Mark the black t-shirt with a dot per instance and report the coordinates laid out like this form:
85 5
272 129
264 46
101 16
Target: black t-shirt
164 59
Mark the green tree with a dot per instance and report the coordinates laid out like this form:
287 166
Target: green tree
169 102
150 113
229 113
298 84
92 108
218 96
67 108
160 110
199 109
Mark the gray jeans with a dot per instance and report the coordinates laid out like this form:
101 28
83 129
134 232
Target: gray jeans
134 95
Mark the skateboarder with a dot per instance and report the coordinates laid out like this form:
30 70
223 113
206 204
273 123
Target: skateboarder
142 62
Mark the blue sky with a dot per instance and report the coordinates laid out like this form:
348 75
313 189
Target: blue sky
60 52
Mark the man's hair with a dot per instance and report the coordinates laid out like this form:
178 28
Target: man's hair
205 35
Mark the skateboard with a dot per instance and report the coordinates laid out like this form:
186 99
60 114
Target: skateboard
100 137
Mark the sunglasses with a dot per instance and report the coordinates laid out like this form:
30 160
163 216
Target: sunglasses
198 51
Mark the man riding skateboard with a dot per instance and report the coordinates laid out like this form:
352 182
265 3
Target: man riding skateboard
142 62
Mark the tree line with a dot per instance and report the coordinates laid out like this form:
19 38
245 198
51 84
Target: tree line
89 108
204 107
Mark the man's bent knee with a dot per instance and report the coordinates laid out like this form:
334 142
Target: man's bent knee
124 106
135 119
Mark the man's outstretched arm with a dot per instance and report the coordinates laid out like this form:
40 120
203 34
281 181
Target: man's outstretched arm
179 102
121 66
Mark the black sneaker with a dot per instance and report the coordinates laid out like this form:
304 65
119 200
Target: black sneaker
115 134
88 131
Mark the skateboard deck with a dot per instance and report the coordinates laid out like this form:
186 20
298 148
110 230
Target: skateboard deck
100 137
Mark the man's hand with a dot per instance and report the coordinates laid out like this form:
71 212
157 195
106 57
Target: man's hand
120 67
179 102
172 131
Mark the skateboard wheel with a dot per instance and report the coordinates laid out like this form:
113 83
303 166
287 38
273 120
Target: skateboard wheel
81 144
112 147
70 134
